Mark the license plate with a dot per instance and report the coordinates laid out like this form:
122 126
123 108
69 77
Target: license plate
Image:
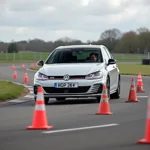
66 85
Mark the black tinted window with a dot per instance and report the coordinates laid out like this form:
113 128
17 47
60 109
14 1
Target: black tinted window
75 55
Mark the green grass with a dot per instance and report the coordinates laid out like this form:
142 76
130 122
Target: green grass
35 56
9 90
23 56
129 57
127 69
34 68
16 61
134 69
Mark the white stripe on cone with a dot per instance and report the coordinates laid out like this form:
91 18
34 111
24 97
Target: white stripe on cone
40 97
132 88
40 107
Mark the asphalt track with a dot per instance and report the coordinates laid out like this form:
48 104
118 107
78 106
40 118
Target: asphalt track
75 115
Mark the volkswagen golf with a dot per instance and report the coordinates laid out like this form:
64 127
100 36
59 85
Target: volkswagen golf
78 71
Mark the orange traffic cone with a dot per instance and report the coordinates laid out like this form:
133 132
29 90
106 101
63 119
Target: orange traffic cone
36 65
104 108
15 75
132 94
32 65
26 78
23 67
146 139
13 67
39 118
139 88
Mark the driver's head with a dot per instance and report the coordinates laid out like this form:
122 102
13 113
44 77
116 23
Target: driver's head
93 57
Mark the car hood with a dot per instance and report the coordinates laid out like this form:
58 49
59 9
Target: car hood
71 69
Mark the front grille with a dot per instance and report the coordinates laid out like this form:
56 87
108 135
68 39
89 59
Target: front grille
82 89
61 77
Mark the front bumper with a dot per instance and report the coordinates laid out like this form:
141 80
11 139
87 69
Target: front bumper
86 88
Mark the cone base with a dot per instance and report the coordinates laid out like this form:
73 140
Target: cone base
104 113
140 91
143 141
39 128
132 101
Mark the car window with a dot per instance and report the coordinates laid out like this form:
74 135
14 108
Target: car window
75 55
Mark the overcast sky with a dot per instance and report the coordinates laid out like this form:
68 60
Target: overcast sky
78 19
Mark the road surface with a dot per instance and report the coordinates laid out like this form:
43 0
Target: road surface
75 124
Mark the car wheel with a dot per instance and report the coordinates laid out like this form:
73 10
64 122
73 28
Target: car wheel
60 98
98 98
116 95
35 98
108 88
46 100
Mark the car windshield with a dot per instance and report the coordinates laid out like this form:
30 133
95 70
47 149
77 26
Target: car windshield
75 55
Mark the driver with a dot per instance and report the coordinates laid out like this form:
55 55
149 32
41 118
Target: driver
93 56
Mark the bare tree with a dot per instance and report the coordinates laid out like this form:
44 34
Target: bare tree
129 42
144 38
111 37
142 30
112 34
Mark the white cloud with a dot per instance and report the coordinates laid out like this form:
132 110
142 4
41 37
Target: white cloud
81 19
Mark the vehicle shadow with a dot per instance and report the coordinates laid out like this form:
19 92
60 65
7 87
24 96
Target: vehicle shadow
72 102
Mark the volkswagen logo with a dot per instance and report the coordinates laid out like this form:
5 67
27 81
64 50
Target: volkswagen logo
66 77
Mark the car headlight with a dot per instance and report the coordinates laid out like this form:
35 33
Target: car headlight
95 75
41 76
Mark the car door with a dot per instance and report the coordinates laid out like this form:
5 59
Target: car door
115 70
111 69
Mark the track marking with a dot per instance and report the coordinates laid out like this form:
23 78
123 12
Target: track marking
82 128
29 96
142 96
31 92
16 101
30 88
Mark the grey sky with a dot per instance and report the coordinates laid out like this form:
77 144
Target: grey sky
78 19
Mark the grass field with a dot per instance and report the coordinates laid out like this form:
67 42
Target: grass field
23 56
35 56
127 69
9 90
134 69
16 61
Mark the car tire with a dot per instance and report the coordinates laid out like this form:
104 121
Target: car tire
46 100
116 95
108 88
35 98
98 98
60 98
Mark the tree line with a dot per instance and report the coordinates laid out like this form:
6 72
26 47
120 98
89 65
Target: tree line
137 41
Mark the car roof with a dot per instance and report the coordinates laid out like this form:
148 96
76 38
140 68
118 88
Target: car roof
80 46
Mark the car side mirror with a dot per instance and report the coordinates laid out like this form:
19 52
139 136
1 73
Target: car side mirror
40 63
111 61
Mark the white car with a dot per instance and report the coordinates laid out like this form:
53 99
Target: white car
72 72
